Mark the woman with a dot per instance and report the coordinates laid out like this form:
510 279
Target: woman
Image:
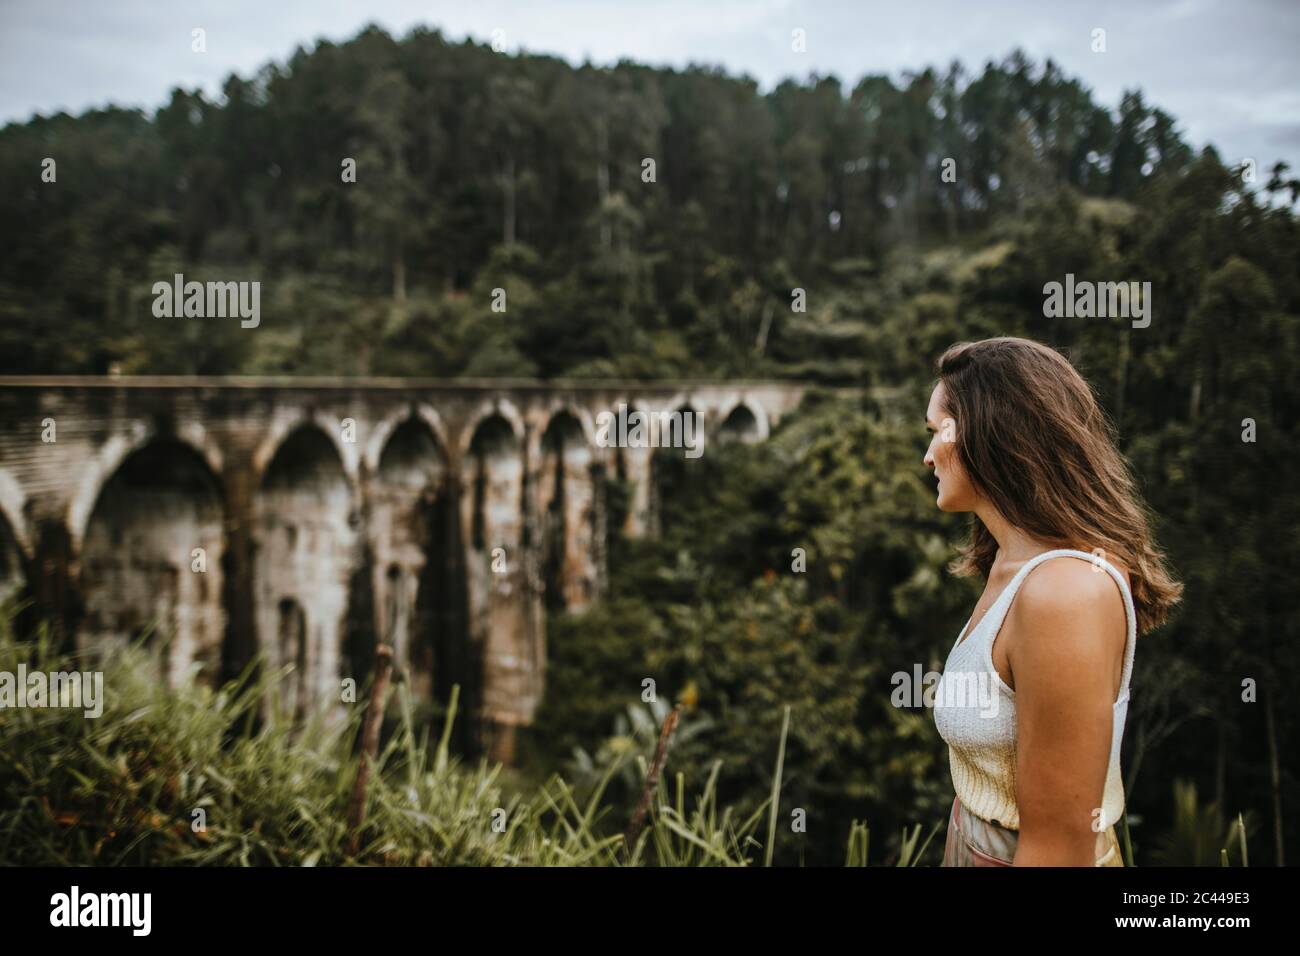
1034 693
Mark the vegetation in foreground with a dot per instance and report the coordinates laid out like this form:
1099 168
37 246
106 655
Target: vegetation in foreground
192 776
127 788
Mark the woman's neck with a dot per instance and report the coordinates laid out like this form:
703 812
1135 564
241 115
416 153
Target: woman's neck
1014 545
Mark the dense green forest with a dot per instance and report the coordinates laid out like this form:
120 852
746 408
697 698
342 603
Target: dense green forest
478 171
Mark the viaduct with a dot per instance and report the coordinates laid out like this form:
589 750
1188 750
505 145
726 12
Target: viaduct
305 519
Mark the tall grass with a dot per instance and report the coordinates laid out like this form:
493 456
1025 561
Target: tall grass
197 776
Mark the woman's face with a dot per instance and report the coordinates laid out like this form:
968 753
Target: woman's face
956 493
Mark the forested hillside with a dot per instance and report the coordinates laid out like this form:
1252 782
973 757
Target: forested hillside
476 170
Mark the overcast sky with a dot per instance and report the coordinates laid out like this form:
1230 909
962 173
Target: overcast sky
1227 71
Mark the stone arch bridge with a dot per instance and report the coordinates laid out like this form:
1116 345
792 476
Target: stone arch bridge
301 518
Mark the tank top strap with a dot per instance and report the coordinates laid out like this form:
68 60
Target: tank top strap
999 610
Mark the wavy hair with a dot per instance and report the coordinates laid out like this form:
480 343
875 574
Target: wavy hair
1035 442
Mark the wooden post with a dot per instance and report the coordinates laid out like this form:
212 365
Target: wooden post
652 778
369 745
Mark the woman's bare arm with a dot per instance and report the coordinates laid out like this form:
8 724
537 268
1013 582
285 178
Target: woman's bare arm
1065 632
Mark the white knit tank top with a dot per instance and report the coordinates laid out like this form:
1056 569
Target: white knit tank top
975 710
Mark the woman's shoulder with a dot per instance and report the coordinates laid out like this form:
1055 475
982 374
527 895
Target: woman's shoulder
1070 597
1066 583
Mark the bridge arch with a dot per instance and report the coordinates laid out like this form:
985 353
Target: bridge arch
383 430
669 460
585 420
411 503
745 421
497 407
493 478
151 557
674 432
114 452
282 428
306 541
410 446
682 401
570 484
631 463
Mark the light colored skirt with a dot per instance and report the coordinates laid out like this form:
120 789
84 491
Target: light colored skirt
976 842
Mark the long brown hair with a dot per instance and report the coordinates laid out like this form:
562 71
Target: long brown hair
1034 441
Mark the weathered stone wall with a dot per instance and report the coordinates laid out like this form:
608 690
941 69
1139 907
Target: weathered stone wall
158 518
328 515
